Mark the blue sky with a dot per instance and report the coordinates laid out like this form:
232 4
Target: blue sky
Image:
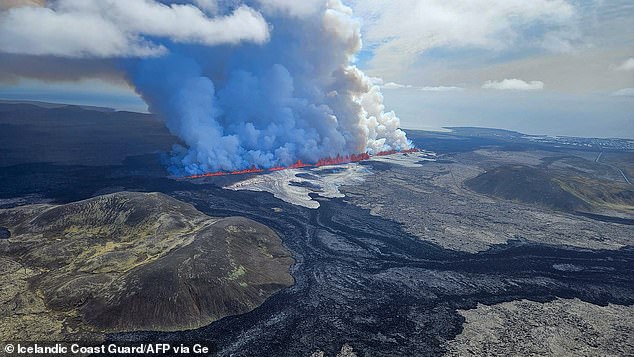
558 67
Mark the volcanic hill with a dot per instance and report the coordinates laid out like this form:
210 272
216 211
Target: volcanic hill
131 261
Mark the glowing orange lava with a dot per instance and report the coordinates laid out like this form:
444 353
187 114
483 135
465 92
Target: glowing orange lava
338 160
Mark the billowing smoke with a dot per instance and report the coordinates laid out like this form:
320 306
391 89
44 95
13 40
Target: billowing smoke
296 97
243 83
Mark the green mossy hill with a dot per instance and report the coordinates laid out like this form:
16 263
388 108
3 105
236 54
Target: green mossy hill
131 261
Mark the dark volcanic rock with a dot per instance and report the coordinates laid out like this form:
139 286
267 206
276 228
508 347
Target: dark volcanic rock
4 233
525 184
30 133
360 280
307 184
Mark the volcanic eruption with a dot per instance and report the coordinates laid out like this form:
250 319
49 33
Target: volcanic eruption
245 84
295 97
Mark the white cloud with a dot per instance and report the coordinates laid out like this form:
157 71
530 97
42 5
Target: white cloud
625 92
393 85
514 84
442 89
114 28
210 6
402 30
377 81
627 65
297 8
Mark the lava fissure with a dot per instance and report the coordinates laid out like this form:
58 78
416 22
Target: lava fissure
338 160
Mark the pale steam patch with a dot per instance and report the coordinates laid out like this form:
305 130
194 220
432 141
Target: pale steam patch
296 186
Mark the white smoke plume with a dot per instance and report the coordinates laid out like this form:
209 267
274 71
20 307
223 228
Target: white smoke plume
262 96
297 97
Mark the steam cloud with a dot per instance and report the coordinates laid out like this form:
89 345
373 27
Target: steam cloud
253 99
295 97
